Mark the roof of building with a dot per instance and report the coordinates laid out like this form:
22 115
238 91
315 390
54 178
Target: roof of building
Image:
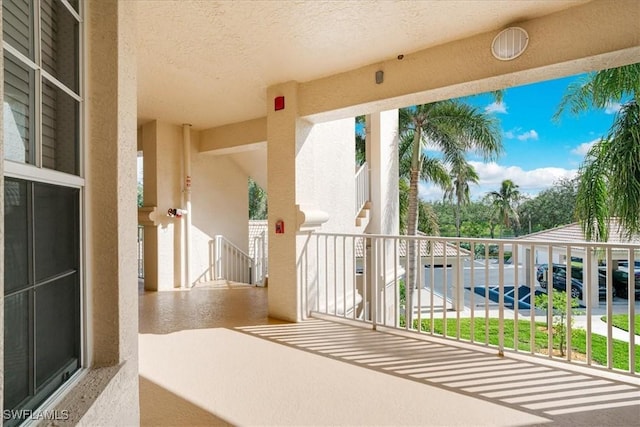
573 233
427 246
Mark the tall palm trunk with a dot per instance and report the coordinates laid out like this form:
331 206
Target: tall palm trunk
412 222
458 216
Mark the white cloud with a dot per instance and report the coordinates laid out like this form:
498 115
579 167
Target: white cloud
532 134
491 175
520 135
584 148
612 107
496 107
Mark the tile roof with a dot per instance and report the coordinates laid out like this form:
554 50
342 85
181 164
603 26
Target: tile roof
425 248
573 232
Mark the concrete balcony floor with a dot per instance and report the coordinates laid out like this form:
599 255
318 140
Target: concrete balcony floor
211 356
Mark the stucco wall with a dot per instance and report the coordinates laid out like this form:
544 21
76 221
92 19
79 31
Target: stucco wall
325 172
220 205
325 181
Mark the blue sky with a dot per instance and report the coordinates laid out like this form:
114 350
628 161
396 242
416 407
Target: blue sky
538 151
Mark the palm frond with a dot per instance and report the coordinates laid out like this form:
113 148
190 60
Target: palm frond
592 200
623 160
600 89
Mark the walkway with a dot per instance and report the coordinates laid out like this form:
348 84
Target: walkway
211 356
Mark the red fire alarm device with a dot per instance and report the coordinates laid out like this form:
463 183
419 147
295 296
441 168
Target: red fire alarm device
279 103
279 226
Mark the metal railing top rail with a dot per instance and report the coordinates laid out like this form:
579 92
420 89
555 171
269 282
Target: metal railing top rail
362 187
362 167
227 242
541 242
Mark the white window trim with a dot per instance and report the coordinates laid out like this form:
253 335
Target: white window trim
36 173
30 172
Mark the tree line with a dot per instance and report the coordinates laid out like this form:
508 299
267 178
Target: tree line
493 216
608 182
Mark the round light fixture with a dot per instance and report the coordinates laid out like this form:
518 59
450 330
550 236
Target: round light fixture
510 43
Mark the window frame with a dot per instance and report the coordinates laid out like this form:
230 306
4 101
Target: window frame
36 173
39 74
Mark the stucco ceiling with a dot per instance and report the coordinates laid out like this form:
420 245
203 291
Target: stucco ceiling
209 63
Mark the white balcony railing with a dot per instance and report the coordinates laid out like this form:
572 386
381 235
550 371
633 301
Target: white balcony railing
362 187
230 262
481 291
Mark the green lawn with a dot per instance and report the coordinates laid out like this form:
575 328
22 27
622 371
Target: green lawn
578 339
622 321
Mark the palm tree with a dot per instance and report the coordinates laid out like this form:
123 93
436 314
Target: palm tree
454 128
431 169
610 175
462 173
505 203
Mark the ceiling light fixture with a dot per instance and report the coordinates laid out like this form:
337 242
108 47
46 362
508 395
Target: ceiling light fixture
510 43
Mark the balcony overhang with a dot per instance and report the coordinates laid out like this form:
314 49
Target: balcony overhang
235 137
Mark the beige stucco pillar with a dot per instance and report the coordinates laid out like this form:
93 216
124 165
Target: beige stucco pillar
111 294
162 158
284 302
311 174
382 158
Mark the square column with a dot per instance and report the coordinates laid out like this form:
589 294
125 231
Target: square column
284 301
162 158
382 158
311 180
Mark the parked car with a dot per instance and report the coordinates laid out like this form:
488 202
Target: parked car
621 282
625 264
560 280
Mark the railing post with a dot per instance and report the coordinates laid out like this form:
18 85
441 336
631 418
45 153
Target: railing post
501 300
374 284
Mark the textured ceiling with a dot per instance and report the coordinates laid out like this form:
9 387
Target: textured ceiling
209 62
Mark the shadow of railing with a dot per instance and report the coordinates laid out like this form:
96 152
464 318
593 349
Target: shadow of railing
562 393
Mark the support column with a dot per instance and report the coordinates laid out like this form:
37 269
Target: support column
382 157
110 211
284 292
162 149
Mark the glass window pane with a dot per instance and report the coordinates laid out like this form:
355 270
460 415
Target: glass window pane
16 349
16 249
60 43
18 111
60 117
57 328
56 224
17 25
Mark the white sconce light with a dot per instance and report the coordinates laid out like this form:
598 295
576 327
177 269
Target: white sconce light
510 43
